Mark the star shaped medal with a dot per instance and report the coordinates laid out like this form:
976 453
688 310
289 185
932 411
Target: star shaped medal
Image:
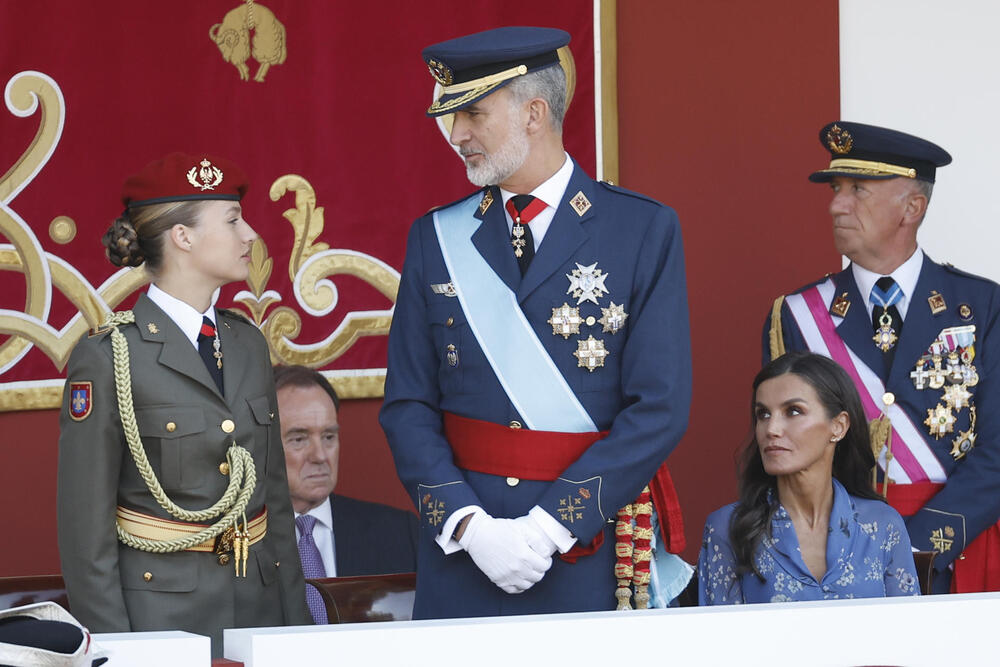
586 283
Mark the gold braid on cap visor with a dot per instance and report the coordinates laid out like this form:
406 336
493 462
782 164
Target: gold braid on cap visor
475 88
871 168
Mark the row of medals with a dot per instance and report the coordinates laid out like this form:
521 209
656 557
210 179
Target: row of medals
947 365
586 283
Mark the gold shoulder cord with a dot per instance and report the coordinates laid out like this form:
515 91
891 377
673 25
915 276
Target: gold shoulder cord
776 336
243 473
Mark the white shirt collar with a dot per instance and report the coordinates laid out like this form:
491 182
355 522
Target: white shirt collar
323 513
184 315
905 275
551 192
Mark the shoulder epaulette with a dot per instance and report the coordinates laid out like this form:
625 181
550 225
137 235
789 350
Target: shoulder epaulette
620 190
951 268
477 193
236 315
812 284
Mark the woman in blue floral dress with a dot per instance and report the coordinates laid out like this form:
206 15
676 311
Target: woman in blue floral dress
808 525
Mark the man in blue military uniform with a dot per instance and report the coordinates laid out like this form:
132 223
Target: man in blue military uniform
539 366
919 340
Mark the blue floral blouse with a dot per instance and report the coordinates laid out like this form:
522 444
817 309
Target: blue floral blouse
868 555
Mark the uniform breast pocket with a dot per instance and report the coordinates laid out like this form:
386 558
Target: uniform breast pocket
178 433
460 360
263 415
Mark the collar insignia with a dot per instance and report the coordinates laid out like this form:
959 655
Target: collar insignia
840 305
580 203
936 302
486 202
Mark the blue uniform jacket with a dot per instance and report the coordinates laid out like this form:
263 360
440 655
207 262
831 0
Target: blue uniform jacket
969 502
641 395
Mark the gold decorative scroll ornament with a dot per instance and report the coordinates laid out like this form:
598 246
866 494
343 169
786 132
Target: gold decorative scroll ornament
311 266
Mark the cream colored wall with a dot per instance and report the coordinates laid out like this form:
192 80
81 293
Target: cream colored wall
932 68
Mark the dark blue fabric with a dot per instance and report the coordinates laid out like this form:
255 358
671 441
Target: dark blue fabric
642 395
969 503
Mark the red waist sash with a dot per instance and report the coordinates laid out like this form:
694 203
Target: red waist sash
977 569
495 449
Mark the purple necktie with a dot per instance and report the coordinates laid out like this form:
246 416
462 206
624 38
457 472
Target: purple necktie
312 566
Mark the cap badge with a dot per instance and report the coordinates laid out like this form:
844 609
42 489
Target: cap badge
441 72
839 140
205 178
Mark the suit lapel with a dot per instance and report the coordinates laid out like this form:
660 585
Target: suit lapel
177 352
492 240
234 355
856 329
921 326
564 236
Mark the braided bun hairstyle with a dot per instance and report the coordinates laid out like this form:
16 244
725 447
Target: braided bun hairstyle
122 243
137 236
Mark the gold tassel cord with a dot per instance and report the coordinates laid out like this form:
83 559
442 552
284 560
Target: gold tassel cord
243 472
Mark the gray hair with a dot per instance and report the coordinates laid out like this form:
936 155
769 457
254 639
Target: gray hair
925 188
548 84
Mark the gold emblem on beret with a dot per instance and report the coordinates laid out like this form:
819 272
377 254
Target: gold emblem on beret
936 302
441 72
205 178
839 140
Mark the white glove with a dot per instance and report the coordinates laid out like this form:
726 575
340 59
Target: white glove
498 547
538 539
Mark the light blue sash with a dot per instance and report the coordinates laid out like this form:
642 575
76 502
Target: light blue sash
534 385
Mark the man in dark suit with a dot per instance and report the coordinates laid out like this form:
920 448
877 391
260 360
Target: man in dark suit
350 537
918 338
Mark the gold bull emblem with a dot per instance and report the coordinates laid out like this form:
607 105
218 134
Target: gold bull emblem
234 39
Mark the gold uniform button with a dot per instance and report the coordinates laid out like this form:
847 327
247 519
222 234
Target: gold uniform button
171 427
228 426
888 398
223 559
513 481
448 322
148 576
515 424
224 468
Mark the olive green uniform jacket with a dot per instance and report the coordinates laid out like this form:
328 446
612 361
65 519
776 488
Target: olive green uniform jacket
115 588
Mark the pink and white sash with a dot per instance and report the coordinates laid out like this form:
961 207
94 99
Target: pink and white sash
913 460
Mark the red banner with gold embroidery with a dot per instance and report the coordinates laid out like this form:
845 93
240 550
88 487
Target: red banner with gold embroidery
321 102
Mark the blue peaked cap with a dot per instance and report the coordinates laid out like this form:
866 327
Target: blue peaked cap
471 67
870 152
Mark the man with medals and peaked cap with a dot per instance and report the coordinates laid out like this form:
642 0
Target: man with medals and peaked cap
539 367
920 341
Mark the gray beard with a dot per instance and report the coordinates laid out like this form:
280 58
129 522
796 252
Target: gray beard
497 167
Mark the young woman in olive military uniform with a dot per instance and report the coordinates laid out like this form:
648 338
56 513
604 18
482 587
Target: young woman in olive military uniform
173 503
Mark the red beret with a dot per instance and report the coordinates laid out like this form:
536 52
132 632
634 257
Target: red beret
181 177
